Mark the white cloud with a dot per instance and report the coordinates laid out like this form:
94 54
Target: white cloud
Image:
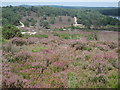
59 0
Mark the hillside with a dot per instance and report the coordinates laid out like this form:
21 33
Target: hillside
59 47
49 17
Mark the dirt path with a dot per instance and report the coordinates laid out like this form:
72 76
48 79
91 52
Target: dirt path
22 25
75 20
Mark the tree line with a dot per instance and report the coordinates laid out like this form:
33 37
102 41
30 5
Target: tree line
96 17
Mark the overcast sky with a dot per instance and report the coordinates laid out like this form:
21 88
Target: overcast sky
87 3
59 0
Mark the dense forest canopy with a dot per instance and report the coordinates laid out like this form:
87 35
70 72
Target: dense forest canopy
85 16
111 11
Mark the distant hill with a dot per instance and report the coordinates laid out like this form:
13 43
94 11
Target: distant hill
38 15
60 6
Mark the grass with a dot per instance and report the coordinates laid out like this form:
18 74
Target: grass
35 48
71 79
25 75
68 36
37 36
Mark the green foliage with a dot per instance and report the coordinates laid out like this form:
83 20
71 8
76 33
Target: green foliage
77 63
74 27
52 20
92 36
71 79
38 49
10 31
56 69
25 75
60 29
110 11
45 24
26 23
37 35
88 48
112 80
12 15
68 36
9 16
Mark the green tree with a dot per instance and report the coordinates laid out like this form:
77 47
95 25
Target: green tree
26 23
52 20
10 31
45 24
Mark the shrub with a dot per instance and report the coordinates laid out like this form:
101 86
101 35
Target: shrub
22 57
10 31
10 48
99 80
17 84
92 36
19 41
81 46
112 45
25 75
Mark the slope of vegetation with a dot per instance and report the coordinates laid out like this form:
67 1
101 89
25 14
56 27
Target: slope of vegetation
61 61
87 17
68 57
111 11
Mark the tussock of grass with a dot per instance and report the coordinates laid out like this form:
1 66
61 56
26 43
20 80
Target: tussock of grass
37 36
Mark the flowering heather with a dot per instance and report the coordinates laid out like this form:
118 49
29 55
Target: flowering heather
56 62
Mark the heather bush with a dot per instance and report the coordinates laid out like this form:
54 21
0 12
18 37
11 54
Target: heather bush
102 47
92 36
78 45
55 69
56 83
76 63
55 62
99 81
112 58
81 46
19 41
112 45
22 56
17 84
118 50
98 66
10 48
112 79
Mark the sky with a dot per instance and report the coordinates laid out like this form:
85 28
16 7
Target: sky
59 0
87 3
